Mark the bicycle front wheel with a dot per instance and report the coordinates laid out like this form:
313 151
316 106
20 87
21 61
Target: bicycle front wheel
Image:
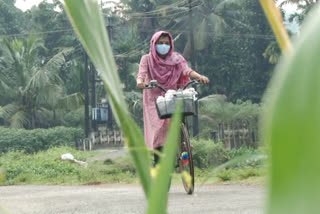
186 161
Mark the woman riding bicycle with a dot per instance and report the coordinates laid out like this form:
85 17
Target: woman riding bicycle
171 71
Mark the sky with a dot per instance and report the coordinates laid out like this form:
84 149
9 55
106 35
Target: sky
27 4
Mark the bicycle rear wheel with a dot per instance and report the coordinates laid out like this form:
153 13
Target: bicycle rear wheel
186 161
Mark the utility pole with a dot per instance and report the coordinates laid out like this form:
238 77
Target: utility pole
86 94
193 63
193 66
93 93
110 116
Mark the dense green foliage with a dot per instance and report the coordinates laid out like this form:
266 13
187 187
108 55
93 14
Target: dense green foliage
31 141
40 80
11 18
215 113
207 153
234 47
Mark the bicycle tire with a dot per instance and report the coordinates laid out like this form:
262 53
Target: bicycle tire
186 147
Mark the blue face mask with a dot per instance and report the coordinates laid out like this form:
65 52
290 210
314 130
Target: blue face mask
163 49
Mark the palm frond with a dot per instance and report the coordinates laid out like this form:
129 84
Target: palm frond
72 101
13 57
55 63
20 120
202 36
4 79
44 112
33 44
44 116
217 23
10 51
49 95
9 110
187 49
229 5
39 80
42 77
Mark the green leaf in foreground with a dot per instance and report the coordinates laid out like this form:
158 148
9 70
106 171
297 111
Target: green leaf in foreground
159 191
87 20
292 126
2 175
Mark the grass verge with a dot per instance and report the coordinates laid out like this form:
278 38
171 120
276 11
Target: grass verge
47 168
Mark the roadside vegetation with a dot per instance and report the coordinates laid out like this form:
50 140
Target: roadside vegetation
46 167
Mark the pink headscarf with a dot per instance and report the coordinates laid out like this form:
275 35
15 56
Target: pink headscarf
168 71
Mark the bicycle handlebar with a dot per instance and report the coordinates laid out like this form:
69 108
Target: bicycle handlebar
193 82
153 84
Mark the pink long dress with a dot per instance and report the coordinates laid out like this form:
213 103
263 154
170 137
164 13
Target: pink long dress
155 130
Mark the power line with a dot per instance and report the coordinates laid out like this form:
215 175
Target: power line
155 13
158 16
36 33
219 35
147 31
157 10
139 47
163 17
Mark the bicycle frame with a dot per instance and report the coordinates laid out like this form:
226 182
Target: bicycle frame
184 145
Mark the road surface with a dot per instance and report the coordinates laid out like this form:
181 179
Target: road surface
129 199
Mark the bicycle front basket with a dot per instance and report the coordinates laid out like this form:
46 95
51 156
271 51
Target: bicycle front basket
166 107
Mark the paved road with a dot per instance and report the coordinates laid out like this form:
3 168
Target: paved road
129 199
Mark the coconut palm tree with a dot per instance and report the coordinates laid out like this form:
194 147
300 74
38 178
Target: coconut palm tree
213 18
31 83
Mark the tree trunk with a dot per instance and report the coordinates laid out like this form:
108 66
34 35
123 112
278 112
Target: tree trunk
54 118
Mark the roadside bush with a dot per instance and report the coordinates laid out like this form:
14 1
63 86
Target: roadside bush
257 159
74 118
233 153
46 167
248 172
31 141
206 153
225 175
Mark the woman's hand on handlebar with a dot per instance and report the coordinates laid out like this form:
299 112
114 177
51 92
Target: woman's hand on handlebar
201 78
140 84
204 79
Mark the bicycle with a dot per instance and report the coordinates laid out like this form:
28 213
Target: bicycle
184 154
